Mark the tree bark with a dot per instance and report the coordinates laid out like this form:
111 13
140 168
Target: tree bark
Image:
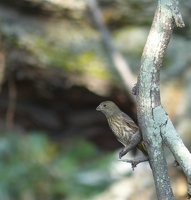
154 122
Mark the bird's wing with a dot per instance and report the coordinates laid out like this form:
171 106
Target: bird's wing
129 122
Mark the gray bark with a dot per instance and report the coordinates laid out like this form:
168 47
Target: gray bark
154 122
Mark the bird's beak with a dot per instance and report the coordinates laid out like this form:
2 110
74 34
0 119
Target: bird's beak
98 108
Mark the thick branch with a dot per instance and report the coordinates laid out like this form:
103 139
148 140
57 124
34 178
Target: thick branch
174 142
148 91
178 149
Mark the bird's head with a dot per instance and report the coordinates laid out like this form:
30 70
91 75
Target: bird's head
108 108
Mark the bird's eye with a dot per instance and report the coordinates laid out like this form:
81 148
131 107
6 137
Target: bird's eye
104 105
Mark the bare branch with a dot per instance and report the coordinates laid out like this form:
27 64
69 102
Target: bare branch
134 162
153 120
119 62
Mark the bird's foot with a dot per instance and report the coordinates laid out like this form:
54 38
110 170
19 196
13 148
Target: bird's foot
122 153
133 142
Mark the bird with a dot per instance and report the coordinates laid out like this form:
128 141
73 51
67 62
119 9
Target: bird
123 127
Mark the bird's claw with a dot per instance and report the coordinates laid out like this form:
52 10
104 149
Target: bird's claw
121 153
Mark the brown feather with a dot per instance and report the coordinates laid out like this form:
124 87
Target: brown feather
120 123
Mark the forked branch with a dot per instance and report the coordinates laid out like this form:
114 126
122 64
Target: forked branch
154 123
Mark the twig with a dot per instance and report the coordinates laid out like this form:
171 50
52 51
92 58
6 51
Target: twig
119 62
134 162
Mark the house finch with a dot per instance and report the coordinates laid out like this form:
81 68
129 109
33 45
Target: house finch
123 127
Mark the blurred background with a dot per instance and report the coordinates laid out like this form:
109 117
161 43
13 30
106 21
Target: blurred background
58 60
